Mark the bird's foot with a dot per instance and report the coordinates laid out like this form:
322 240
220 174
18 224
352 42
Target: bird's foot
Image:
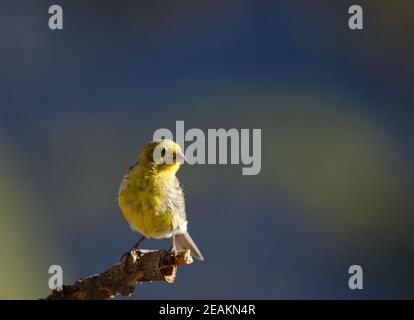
133 251
125 256
173 252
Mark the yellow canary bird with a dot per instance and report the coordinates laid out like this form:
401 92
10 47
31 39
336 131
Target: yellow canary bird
151 198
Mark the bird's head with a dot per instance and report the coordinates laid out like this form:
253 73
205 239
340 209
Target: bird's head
162 155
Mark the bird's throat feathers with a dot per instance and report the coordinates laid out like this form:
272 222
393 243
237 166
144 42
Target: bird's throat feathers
152 171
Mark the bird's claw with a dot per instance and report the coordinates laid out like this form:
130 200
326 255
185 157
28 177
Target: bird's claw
133 251
125 256
173 252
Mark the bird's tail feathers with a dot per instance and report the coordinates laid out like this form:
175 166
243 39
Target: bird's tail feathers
183 241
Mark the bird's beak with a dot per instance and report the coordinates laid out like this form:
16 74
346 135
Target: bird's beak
180 158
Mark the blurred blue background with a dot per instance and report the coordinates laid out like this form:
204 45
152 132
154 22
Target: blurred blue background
335 109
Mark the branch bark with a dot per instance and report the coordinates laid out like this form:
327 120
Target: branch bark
139 266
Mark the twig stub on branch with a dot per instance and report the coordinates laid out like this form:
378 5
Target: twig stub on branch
139 266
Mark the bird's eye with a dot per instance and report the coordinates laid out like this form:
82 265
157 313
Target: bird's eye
163 152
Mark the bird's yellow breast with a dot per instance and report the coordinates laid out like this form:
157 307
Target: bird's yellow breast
142 199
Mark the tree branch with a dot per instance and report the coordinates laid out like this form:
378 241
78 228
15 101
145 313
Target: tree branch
139 266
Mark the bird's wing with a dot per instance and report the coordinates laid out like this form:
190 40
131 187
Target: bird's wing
125 179
176 200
